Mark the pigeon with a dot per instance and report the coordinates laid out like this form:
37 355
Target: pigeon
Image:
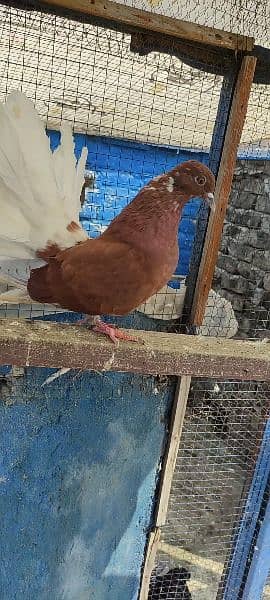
40 199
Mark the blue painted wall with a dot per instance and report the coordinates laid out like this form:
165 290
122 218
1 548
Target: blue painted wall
79 464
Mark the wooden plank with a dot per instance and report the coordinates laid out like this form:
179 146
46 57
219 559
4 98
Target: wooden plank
118 13
223 188
41 343
149 563
177 419
168 467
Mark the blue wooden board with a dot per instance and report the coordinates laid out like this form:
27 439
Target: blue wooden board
78 472
240 560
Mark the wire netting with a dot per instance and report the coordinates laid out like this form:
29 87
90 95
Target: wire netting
140 115
221 437
242 274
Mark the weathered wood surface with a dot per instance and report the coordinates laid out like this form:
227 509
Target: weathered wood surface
149 564
223 188
176 425
134 17
44 344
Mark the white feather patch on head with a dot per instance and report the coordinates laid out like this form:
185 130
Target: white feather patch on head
170 184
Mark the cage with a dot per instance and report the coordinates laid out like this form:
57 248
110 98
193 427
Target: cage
142 103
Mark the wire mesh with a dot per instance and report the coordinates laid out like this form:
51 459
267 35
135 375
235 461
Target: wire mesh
138 115
87 75
222 430
243 273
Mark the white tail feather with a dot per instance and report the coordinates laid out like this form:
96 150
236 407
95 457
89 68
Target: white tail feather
69 182
39 193
39 190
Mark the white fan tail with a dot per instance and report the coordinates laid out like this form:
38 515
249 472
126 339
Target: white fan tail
39 190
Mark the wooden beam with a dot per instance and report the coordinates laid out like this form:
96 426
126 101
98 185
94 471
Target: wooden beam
177 419
150 21
149 563
168 466
44 344
223 188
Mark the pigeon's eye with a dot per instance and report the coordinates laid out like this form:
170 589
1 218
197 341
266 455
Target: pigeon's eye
200 179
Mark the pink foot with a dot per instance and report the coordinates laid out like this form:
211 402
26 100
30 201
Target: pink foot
114 333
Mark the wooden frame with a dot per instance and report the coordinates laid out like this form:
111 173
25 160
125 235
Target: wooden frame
44 344
223 187
177 418
118 13
52 345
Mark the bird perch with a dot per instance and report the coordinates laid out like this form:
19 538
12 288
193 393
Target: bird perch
45 344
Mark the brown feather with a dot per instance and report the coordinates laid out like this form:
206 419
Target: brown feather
132 259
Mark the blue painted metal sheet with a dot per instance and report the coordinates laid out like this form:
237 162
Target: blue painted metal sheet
260 564
79 465
244 537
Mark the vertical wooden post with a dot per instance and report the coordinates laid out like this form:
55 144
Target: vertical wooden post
177 419
215 153
223 188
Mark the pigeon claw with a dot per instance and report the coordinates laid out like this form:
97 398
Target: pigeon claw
114 333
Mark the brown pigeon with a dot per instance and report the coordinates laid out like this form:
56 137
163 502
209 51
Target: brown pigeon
114 273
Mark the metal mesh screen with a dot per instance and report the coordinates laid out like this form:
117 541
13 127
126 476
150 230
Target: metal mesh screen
88 75
241 281
242 275
138 115
223 426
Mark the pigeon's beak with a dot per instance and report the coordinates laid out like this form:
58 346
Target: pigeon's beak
210 199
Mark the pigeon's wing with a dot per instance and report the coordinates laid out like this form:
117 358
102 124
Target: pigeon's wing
98 276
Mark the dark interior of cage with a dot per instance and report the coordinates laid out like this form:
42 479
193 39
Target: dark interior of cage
141 111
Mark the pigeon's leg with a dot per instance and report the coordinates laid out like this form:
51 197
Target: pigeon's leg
114 333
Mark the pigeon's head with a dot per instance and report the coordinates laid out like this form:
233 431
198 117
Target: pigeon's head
193 179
